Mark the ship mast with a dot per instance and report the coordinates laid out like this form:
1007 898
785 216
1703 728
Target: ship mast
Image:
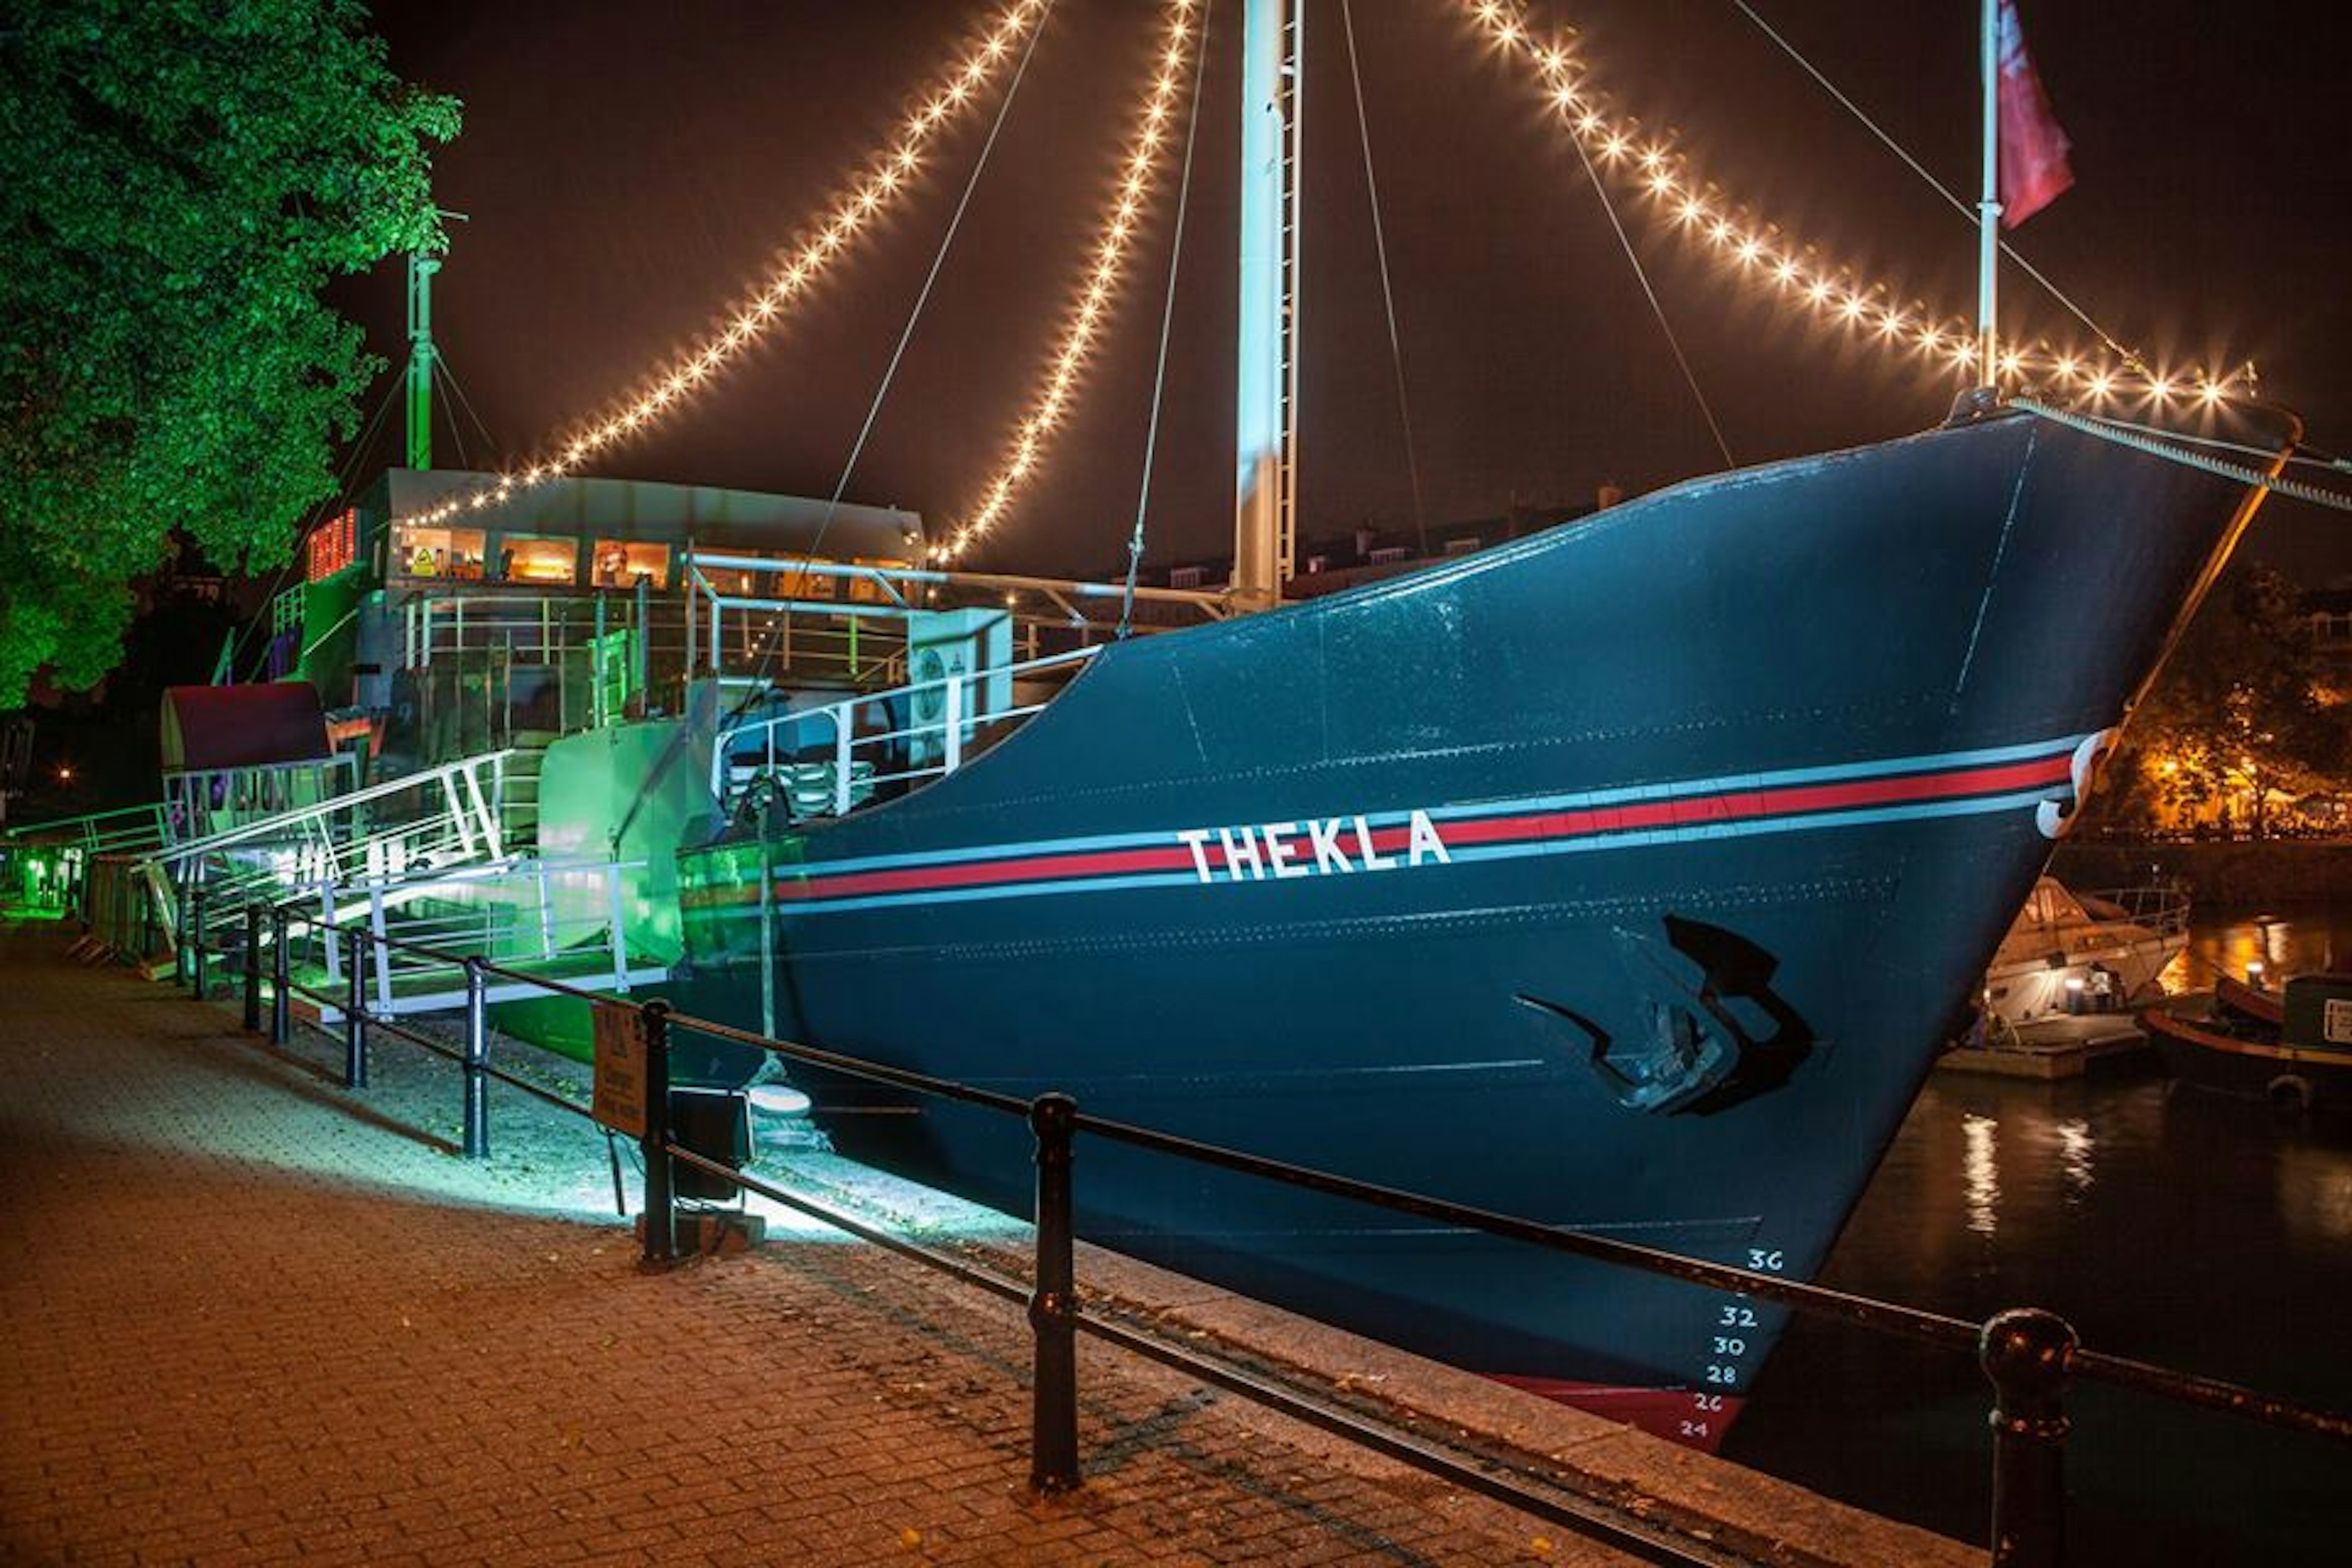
1988 207
422 266
1265 499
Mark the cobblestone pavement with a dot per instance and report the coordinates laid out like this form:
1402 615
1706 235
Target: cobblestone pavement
250 1318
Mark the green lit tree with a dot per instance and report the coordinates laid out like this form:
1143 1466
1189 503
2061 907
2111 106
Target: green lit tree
2237 714
179 179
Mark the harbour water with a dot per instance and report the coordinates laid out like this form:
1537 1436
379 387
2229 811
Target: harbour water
2185 1228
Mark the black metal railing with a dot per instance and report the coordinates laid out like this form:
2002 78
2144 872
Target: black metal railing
2029 1355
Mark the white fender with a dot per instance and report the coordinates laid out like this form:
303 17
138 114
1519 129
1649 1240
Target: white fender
2056 818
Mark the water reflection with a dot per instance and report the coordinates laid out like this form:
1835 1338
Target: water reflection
1981 1170
2227 941
2074 1146
2315 1192
2193 1230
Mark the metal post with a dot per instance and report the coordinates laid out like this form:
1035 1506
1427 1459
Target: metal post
281 965
2024 1351
355 1012
196 914
1988 206
661 1214
253 968
477 1063
180 966
1053 1304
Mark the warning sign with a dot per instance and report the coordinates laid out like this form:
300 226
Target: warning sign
619 1101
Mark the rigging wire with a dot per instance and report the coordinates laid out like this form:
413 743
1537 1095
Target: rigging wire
318 514
441 364
1388 293
947 242
457 432
1118 225
1167 317
774 639
2127 355
1656 309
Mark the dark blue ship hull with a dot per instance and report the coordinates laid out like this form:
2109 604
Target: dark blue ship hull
1625 878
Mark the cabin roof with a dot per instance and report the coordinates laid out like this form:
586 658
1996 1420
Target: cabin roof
208 728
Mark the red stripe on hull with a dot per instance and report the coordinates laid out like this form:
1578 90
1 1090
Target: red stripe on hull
1694 1420
1689 811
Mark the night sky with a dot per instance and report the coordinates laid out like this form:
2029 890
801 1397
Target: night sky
627 172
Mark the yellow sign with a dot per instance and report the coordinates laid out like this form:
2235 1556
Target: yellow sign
619 1101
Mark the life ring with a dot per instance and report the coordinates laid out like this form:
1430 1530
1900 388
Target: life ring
2290 1091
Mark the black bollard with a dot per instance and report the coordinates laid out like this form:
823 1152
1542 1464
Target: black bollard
1053 1304
477 1063
661 1211
355 1014
281 1000
2024 1351
253 968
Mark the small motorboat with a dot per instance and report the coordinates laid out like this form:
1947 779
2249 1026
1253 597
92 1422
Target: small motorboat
2292 1046
2071 952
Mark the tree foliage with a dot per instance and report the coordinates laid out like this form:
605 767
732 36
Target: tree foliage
2238 714
179 179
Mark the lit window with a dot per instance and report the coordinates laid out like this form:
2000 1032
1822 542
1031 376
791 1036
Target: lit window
332 546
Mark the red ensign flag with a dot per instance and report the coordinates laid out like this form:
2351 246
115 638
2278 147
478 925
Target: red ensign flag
2032 149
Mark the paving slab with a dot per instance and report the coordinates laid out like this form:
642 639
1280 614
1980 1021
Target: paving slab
247 1316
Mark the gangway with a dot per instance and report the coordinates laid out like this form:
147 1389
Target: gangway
561 920
442 819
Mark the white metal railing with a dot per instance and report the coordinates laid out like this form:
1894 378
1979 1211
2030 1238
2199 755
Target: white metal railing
340 841
534 911
2164 910
901 744
859 623
132 830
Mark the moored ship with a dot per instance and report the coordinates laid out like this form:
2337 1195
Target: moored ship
1622 879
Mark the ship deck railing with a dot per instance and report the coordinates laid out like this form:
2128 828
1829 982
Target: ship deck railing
2163 911
829 760
750 620
2027 1354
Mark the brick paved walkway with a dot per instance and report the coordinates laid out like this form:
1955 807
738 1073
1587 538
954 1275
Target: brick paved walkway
247 1320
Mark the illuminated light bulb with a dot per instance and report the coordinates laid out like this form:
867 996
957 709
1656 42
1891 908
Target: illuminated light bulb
1122 219
1610 142
856 210
2160 389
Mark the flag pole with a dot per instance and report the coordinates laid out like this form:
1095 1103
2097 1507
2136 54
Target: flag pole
1989 208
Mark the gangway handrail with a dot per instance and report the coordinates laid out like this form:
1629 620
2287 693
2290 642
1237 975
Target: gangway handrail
267 828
